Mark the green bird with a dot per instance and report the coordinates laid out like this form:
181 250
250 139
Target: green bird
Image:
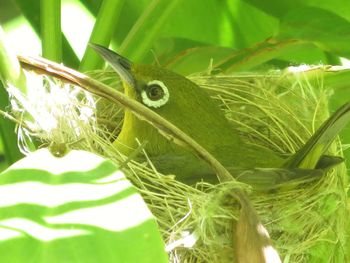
191 109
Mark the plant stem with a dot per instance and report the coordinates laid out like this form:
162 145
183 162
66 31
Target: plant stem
50 12
106 20
147 28
10 69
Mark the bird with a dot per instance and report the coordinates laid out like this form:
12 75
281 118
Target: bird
193 111
190 108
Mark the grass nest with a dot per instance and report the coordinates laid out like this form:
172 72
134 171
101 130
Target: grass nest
306 220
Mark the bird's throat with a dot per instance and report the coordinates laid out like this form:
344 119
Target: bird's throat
137 132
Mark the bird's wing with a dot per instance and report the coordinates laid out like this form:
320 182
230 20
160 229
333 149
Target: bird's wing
190 170
269 179
309 156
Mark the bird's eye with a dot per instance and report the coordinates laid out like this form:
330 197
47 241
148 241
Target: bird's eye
155 94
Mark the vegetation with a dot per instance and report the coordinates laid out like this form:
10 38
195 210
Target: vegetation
284 62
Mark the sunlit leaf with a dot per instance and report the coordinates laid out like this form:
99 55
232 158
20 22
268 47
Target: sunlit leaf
10 151
102 32
77 208
31 10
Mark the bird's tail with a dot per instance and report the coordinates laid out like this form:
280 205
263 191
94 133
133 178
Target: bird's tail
311 155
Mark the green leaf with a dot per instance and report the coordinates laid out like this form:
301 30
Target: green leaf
102 33
77 208
10 74
279 9
298 30
198 59
275 7
8 135
186 56
249 58
147 28
233 24
327 30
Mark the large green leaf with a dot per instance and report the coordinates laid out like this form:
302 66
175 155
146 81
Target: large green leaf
300 31
77 208
275 7
232 24
279 9
186 56
249 58
147 28
198 59
323 28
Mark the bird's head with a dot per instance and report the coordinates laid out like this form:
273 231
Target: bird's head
174 97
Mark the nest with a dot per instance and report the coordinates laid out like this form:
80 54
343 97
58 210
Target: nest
280 110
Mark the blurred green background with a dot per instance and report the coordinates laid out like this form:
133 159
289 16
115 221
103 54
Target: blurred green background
185 36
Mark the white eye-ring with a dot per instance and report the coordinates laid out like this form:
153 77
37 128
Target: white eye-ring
155 94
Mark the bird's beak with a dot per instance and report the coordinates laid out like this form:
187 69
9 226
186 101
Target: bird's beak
120 64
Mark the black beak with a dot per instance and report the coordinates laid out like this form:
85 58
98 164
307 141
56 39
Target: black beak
120 64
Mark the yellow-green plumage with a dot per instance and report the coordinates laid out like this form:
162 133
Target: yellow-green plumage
192 110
